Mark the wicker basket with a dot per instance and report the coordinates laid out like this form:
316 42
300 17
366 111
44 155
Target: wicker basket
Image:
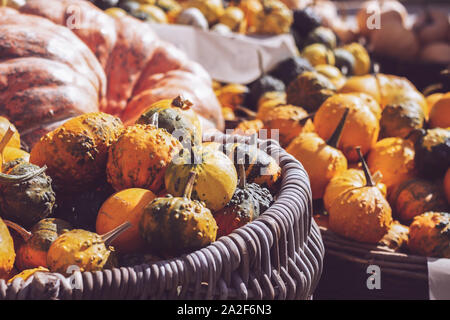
277 256
403 276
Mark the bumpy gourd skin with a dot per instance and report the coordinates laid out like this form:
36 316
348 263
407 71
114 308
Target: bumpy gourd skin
79 248
361 214
433 153
287 119
7 253
29 201
75 153
361 128
33 252
309 90
246 205
321 161
429 235
216 178
176 225
275 18
400 117
139 158
177 118
415 196
349 179
394 158
260 167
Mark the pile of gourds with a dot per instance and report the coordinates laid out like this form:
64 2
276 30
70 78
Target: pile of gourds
246 16
377 150
93 193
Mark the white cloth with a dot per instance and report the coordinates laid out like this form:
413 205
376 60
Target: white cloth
228 58
439 278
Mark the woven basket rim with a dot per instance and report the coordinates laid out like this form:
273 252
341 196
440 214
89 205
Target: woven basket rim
310 239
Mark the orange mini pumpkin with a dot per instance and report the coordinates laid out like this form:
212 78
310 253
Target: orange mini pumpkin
7 253
125 205
361 128
347 180
289 120
361 214
76 152
32 252
440 113
321 159
428 235
394 158
139 157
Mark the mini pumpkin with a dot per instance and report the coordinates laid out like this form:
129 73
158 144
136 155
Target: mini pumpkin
7 253
322 35
211 9
268 101
309 90
429 235
432 152
362 58
125 205
154 13
416 196
288 119
249 127
248 202
177 117
361 128
347 180
260 167
361 214
87 250
321 159
290 68
175 225
32 252
192 17
394 158
26 193
332 73
274 18
233 17
318 53
76 152
140 156
232 95
440 113
400 118
216 178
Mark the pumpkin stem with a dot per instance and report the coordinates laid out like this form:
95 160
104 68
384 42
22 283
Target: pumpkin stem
5 140
12 179
369 179
190 185
333 141
113 234
309 116
242 175
25 234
